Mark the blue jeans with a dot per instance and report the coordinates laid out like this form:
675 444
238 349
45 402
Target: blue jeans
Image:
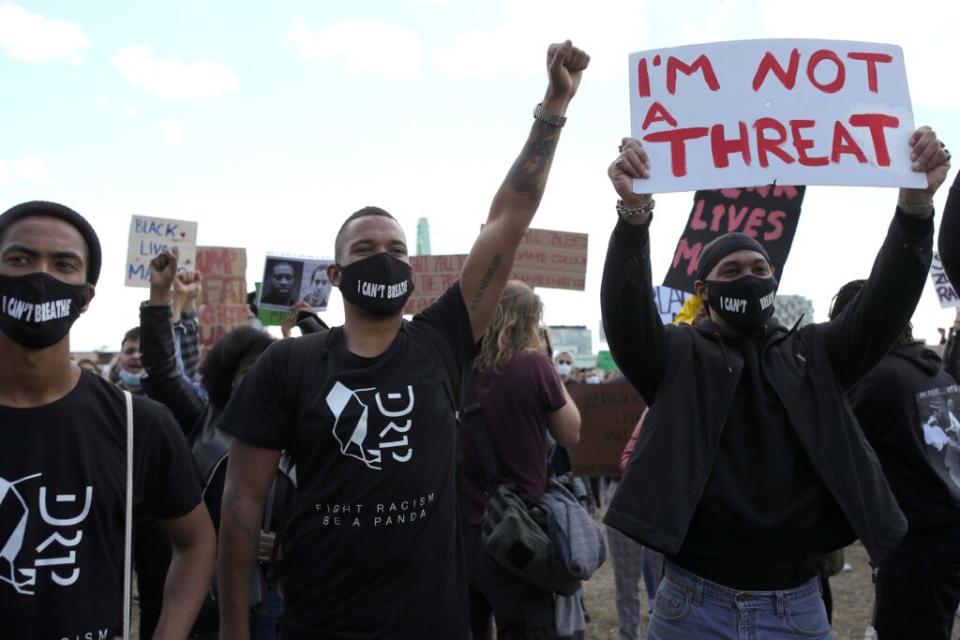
690 607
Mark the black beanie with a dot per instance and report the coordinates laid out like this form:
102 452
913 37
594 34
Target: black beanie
68 215
719 248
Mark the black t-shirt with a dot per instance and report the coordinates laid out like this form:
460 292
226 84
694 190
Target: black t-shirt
765 518
62 501
373 549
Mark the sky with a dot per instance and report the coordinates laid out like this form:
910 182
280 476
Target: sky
269 123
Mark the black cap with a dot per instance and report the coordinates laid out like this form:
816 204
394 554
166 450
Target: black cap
68 215
719 248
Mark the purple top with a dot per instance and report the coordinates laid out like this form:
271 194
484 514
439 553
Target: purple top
515 404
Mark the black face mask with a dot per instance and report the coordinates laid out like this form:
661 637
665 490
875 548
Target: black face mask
745 303
37 310
379 284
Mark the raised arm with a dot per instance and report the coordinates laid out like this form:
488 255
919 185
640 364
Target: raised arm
490 261
631 322
250 470
165 382
948 241
867 327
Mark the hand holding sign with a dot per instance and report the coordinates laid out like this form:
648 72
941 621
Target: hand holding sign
928 156
633 163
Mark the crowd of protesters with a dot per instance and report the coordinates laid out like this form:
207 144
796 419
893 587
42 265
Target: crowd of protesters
324 486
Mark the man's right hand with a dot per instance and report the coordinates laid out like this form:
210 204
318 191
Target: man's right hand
163 270
633 163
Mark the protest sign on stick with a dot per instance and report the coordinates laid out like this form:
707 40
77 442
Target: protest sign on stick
224 271
608 413
149 237
758 112
768 214
946 294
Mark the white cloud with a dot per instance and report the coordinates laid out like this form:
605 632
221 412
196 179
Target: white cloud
608 30
171 133
101 101
174 79
29 168
129 111
33 37
924 47
709 28
364 46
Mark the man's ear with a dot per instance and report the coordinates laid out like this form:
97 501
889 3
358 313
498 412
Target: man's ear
93 292
700 288
333 274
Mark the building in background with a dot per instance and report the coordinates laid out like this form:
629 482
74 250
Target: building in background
423 237
576 339
788 309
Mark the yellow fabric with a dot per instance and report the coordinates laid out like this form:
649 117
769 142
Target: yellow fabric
689 310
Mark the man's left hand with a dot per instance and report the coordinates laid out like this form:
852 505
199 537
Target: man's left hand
929 156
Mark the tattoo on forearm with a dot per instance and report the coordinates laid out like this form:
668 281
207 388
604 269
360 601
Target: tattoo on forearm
528 175
487 277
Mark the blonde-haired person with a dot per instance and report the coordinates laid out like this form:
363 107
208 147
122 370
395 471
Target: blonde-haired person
522 398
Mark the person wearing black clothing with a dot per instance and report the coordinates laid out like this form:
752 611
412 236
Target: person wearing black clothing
760 464
918 585
64 450
368 412
197 414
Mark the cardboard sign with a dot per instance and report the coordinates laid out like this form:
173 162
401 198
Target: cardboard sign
224 271
760 112
149 237
768 214
946 294
286 280
217 319
608 413
552 259
432 275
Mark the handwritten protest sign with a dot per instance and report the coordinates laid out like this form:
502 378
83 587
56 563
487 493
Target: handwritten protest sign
224 271
768 214
946 294
149 237
552 259
432 275
759 112
669 302
608 414
217 319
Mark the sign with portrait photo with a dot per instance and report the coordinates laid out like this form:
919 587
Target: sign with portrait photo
288 279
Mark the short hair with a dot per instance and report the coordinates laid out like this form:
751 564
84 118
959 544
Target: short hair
133 334
221 362
851 290
356 215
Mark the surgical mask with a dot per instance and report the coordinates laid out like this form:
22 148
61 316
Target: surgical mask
131 380
746 303
37 310
593 379
564 369
379 284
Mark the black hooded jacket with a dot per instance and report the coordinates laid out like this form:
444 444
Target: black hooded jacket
689 376
885 402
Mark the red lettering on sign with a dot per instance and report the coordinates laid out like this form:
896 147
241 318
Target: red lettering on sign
775 218
678 145
767 145
802 144
754 221
871 59
876 122
695 222
658 113
841 73
843 143
701 64
686 252
769 62
643 78
723 147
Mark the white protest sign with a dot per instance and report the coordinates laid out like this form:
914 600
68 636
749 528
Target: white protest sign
946 294
759 112
149 237
669 302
